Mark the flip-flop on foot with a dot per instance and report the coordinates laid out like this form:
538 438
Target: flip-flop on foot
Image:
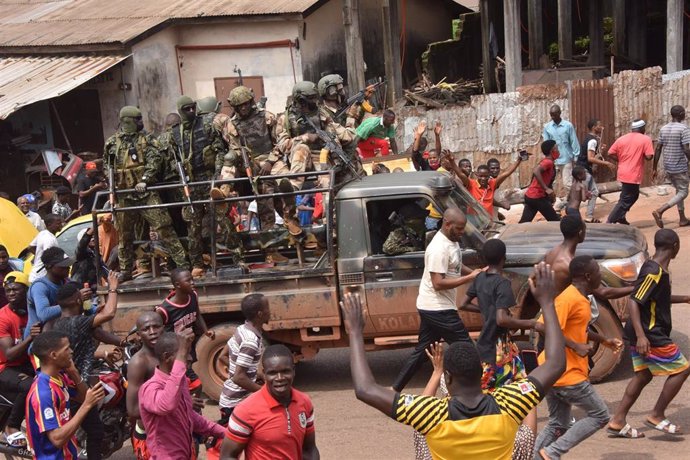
665 426
626 432
657 218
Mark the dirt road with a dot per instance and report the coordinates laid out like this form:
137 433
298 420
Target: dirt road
348 429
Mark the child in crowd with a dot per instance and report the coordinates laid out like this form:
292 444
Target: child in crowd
180 310
578 192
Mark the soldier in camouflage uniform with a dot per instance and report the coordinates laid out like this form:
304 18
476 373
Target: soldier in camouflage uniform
332 91
256 129
137 162
202 149
297 138
401 240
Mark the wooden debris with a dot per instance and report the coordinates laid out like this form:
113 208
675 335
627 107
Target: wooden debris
440 94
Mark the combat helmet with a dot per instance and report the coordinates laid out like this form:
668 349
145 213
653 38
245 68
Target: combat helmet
207 105
240 95
329 80
129 111
304 89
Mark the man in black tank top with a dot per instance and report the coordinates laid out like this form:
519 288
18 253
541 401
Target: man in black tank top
180 310
589 149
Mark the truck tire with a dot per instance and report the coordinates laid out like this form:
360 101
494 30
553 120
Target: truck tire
208 367
605 360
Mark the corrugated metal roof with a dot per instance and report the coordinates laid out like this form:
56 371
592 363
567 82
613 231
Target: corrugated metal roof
28 79
81 22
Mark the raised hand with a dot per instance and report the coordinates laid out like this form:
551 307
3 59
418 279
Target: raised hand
353 313
438 128
94 395
435 354
421 128
542 284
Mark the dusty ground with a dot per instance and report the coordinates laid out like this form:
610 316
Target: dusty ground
348 429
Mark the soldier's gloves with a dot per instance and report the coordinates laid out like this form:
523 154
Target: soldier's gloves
140 187
266 168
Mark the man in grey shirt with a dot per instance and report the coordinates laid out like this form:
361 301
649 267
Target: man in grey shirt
674 144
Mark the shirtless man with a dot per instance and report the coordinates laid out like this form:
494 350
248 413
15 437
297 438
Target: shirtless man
574 230
140 368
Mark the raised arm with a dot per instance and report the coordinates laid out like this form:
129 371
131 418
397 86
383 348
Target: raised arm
508 172
437 136
110 308
435 354
542 286
366 388
449 164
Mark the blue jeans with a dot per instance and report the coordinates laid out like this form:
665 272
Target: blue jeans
558 436
592 188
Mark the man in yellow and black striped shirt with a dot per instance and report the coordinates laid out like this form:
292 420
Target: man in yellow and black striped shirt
468 423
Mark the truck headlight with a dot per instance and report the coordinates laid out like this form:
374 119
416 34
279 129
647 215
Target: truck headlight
626 269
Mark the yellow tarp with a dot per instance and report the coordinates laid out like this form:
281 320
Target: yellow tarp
16 232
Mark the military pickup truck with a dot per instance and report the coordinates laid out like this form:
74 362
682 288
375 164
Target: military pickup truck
305 292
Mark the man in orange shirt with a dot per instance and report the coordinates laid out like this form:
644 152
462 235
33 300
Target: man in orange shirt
107 237
573 388
484 186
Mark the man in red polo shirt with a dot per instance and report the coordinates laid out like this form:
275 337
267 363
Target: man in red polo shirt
276 421
484 186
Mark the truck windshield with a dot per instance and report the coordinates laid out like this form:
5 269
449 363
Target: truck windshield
475 212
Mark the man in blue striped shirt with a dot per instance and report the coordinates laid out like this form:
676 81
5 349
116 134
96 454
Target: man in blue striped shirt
563 132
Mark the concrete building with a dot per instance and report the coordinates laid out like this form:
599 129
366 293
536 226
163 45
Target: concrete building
67 66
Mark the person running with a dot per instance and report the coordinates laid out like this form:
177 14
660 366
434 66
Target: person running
649 333
631 151
573 388
242 354
589 151
258 424
478 425
180 310
165 403
16 373
50 427
539 196
578 192
674 144
139 370
436 302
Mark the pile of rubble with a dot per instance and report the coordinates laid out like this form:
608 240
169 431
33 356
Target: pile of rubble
436 96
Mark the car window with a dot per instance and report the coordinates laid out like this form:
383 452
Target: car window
460 198
67 239
386 215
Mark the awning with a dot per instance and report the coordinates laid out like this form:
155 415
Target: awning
28 79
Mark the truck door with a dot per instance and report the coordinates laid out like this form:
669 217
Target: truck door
393 268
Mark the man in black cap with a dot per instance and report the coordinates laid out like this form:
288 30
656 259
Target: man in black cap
61 205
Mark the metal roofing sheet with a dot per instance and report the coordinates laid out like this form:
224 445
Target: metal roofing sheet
28 79
79 22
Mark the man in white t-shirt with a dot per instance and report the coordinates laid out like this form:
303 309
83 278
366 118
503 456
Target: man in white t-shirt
24 205
436 302
592 145
44 240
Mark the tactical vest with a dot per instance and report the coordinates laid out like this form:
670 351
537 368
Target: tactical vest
130 164
297 126
255 132
194 154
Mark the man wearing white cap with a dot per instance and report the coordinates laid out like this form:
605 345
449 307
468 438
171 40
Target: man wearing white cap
630 150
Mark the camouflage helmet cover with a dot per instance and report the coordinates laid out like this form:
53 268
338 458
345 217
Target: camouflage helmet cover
329 80
184 101
240 95
304 88
129 111
207 104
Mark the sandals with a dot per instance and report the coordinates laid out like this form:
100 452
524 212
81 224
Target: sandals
626 432
17 439
665 426
592 221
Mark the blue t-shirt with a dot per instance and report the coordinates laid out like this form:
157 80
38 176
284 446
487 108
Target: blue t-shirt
47 409
42 303
305 216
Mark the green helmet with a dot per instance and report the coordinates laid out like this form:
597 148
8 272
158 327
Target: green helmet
183 101
329 80
207 105
129 111
304 88
240 95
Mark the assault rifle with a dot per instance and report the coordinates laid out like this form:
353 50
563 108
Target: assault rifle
248 165
332 146
183 177
358 98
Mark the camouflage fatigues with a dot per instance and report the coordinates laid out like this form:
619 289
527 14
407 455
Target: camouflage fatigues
136 158
303 155
399 242
202 149
259 133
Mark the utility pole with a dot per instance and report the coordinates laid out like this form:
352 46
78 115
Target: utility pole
353 45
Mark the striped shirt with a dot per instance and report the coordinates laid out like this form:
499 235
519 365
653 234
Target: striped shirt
245 348
484 431
673 136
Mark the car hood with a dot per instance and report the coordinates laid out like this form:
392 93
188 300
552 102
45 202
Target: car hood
528 243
